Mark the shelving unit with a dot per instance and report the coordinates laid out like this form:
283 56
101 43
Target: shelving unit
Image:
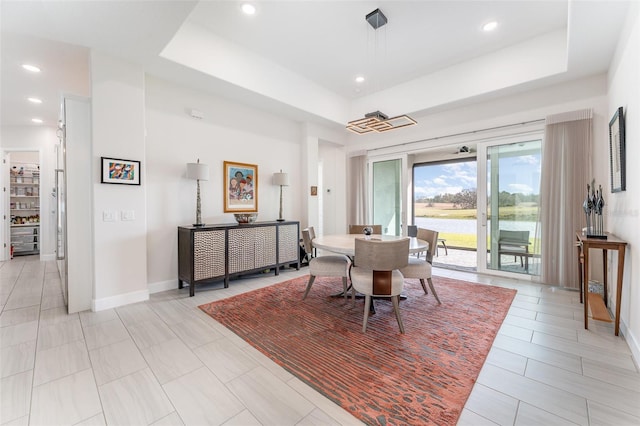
24 187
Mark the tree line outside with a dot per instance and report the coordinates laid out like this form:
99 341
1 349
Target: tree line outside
468 199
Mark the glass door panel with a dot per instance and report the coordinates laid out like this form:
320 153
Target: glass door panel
511 223
387 195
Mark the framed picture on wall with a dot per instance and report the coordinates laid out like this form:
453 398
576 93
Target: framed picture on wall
617 152
240 182
123 172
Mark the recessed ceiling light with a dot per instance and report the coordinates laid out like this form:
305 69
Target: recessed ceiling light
37 120
490 26
248 9
31 68
35 100
359 79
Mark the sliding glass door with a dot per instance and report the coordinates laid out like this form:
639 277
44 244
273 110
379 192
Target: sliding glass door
508 202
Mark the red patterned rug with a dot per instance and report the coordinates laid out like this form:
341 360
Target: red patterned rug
381 377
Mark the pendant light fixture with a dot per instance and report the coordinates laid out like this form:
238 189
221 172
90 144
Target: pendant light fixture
377 121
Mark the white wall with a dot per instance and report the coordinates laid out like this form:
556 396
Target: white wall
79 218
118 131
333 188
228 132
43 140
623 209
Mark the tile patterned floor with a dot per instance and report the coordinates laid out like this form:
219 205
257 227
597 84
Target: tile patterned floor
164 362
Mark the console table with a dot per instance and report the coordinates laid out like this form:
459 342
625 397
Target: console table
599 305
220 252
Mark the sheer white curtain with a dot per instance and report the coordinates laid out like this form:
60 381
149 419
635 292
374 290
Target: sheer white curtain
566 171
357 193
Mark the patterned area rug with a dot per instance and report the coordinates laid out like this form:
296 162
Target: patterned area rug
382 377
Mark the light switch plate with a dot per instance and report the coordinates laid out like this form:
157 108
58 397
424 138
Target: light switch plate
128 214
109 216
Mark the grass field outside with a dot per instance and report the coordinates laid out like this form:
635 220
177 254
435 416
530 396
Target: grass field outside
525 212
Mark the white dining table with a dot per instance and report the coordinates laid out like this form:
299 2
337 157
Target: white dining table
346 243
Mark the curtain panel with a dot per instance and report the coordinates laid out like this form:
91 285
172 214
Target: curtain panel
566 171
357 193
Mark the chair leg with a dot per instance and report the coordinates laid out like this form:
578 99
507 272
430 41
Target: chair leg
433 290
367 305
309 284
344 287
424 286
396 307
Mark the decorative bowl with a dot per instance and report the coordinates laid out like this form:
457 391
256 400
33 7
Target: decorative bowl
242 218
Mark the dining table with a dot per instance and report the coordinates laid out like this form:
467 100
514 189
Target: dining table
346 243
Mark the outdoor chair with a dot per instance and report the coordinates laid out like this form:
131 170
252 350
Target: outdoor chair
514 243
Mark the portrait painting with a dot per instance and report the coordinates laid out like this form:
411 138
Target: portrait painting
240 187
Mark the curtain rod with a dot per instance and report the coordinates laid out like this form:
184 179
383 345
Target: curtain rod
470 132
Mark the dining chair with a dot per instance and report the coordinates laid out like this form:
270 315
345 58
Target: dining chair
376 272
358 229
422 268
312 235
325 266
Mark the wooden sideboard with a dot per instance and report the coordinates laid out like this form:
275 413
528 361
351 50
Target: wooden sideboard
220 252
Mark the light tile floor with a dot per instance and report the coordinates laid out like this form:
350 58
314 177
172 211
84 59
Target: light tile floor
164 362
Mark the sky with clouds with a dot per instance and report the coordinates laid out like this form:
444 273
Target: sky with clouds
519 174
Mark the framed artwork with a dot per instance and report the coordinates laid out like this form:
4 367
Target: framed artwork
123 172
314 191
617 152
240 182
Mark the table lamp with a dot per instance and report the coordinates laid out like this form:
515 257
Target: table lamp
198 172
281 179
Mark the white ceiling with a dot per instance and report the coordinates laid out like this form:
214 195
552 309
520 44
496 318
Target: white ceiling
316 48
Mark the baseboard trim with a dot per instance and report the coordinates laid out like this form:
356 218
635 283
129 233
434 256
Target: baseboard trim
47 257
633 343
163 286
119 300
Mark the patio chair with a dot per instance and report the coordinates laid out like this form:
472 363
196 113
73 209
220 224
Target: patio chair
514 243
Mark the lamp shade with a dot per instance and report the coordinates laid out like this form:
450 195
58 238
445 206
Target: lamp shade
197 171
281 179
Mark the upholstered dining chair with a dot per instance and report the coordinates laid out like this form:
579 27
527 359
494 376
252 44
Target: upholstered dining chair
358 229
422 268
376 272
325 266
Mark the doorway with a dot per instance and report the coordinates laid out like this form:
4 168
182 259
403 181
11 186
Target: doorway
445 200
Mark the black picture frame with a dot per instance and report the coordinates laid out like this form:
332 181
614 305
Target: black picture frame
617 155
118 171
